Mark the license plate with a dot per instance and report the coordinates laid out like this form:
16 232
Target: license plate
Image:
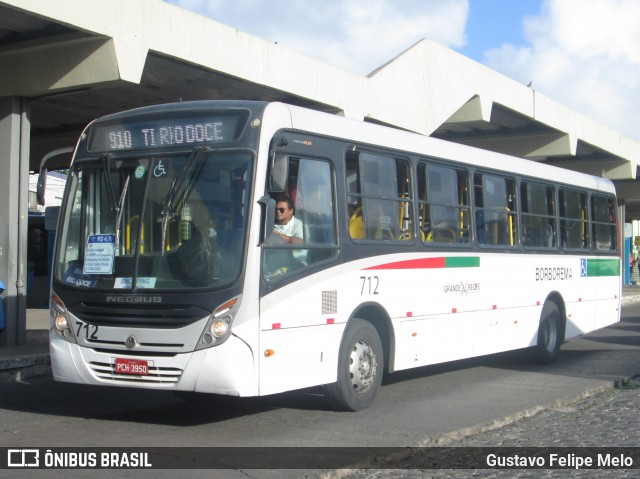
138 367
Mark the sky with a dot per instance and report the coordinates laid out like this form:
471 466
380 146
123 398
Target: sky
583 53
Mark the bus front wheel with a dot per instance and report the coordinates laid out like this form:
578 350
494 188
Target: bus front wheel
360 363
549 334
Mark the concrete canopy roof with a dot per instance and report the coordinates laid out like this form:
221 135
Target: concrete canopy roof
75 60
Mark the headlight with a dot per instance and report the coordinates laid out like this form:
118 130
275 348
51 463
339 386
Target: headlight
218 328
61 323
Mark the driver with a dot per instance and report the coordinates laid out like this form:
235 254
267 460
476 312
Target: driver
287 226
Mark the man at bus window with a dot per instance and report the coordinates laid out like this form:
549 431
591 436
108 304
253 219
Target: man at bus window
287 226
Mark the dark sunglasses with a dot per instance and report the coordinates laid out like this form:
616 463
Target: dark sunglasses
281 210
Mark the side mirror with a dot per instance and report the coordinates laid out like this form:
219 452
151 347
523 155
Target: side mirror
42 177
279 173
268 214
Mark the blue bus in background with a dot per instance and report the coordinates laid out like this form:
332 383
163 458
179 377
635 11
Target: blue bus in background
39 253
41 226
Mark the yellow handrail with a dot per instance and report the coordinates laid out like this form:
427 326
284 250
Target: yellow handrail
511 239
127 244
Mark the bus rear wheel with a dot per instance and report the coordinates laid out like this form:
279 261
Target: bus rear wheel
360 364
549 334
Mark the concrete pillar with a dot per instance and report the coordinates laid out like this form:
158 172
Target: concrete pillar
14 196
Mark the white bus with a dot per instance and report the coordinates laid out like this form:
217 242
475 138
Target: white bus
413 251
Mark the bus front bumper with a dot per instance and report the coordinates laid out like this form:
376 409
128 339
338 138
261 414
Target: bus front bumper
226 369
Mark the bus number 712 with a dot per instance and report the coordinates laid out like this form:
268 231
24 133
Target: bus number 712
369 285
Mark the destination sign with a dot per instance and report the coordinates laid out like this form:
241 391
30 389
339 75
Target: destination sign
166 132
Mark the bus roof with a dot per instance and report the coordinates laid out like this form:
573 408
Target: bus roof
363 132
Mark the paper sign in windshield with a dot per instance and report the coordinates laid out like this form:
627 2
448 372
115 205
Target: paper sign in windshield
100 254
141 282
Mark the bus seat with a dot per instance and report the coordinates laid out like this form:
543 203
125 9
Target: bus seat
444 235
440 235
356 225
406 235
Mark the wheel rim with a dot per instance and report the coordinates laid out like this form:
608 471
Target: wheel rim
363 367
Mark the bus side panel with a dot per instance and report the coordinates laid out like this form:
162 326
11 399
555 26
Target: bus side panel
300 335
609 292
595 302
608 312
506 329
299 357
512 294
431 340
442 307
580 317
430 299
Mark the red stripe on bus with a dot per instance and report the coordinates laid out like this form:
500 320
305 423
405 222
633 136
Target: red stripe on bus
420 263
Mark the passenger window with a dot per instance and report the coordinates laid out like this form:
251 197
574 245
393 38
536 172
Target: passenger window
495 209
310 193
603 220
538 215
443 204
378 198
574 227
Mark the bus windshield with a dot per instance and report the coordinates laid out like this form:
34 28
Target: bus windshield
166 221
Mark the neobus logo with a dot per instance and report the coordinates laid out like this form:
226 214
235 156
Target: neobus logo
134 299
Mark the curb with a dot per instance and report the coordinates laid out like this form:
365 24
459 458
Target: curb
31 360
630 299
24 367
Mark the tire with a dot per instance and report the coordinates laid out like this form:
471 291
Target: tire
360 364
549 334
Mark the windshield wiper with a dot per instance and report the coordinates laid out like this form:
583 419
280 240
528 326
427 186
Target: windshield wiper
106 164
167 209
119 209
116 206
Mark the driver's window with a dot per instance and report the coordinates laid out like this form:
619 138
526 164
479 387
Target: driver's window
304 225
